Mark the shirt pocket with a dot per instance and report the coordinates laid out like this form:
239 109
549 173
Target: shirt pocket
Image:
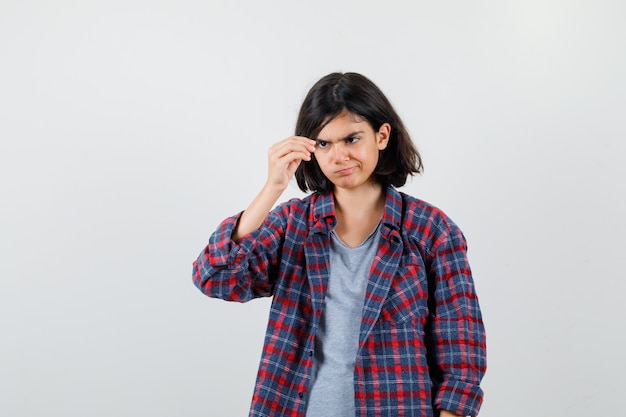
408 296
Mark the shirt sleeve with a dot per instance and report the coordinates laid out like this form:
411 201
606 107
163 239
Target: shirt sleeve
457 343
240 271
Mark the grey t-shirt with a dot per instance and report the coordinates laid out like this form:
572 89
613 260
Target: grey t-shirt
337 337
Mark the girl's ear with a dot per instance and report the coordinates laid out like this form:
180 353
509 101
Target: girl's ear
382 136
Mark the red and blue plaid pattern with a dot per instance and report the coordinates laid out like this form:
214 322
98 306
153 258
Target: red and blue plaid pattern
422 340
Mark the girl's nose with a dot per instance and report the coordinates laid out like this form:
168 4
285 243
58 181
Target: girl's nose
340 153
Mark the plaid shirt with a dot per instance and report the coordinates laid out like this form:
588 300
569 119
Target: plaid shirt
422 341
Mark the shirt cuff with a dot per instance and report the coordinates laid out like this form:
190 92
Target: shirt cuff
459 397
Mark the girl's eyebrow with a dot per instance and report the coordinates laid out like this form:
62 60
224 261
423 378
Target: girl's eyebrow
349 136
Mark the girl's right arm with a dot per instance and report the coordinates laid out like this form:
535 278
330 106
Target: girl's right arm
236 263
284 157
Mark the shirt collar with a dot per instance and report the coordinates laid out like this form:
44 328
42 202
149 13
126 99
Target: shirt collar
392 217
324 206
324 209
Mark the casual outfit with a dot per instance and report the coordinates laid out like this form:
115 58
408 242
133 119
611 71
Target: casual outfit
410 340
337 336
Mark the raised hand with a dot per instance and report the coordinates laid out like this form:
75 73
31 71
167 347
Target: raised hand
284 157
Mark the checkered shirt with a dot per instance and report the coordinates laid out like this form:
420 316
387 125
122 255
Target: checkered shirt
422 342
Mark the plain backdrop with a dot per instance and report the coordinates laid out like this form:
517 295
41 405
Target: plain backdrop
130 129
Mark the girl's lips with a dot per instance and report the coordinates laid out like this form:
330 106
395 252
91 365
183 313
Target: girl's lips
346 171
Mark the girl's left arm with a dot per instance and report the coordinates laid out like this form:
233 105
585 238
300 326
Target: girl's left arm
456 334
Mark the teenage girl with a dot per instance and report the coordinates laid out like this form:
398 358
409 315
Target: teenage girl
374 311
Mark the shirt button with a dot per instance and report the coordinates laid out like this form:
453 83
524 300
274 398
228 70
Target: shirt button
301 394
310 353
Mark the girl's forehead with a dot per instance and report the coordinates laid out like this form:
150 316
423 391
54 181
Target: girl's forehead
349 116
343 121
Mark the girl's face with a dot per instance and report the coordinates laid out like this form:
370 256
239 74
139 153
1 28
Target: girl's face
347 150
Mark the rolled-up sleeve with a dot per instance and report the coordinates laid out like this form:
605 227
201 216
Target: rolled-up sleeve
238 271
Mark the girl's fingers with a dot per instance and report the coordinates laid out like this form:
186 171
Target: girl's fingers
285 157
292 144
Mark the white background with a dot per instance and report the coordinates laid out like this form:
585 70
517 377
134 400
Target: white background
129 129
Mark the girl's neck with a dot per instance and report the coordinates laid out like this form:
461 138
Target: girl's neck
365 201
358 212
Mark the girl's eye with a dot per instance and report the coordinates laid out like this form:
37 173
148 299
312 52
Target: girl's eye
322 144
